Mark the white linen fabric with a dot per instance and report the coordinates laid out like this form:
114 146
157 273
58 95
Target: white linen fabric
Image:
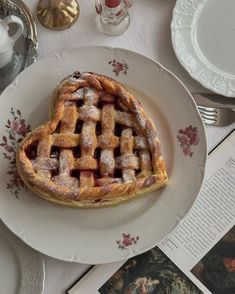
149 34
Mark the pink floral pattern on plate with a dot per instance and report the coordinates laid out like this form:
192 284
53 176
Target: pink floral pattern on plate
127 241
119 67
16 130
187 138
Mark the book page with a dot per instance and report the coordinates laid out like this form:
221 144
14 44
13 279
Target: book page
183 258
212 215
150 272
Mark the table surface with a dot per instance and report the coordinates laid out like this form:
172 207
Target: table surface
149 34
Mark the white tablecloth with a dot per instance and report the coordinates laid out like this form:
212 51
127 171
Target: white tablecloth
149 34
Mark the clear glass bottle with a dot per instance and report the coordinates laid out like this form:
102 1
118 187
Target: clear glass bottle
112 16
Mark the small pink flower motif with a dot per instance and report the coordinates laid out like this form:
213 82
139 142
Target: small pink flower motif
19 127
16 129
119 67
187 138
127 241
14 125
184 140
187 151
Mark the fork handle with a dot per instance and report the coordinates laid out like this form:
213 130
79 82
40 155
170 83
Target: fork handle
233 115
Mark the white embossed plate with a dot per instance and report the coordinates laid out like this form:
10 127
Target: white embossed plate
203 40
107 234
21 268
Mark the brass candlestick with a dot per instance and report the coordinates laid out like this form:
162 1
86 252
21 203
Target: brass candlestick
57 14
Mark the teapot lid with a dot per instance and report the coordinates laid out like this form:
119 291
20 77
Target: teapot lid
5 39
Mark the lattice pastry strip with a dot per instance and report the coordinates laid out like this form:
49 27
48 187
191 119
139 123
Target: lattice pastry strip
87 113
127 162
145 164
43 164
65 166
87 161
107 142
68 122
99 149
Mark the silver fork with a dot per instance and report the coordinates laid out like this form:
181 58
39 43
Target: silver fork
217 116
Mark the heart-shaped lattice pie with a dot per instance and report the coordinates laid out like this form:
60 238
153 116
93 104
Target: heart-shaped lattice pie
99 148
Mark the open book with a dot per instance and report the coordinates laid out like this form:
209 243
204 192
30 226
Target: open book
197 257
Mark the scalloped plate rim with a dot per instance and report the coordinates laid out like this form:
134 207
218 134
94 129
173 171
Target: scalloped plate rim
25 256
198 78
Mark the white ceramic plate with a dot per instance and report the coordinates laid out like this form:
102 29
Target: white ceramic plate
203 40
108 234
21 268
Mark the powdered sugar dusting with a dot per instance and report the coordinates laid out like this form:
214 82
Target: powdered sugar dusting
105 138
89 113
91 109
87 139
72 191
66 181
140 142
128 175
127 161
69 103
86 136
90 95
107 159
63 163
145 161
124 118
124 161
145 156
151 136
141 121
44 163
79 94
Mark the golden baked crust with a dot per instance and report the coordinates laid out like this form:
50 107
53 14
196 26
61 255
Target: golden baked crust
99 148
